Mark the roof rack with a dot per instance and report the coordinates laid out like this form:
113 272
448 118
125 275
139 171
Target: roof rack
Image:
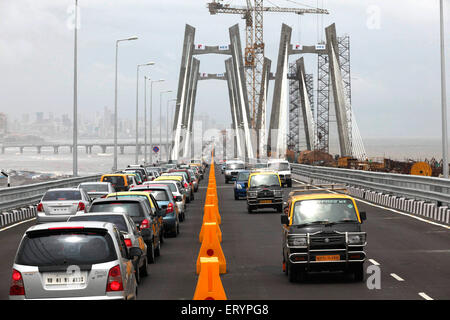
318 187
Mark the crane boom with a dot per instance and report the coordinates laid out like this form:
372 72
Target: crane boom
215 8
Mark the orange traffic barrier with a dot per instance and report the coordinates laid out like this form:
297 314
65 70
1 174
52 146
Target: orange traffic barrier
202 231
209 285
211 247
215 210
212 199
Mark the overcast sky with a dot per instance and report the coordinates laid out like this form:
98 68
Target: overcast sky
395 57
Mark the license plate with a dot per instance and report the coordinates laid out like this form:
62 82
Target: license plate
60 210
328 258
265 201
64 279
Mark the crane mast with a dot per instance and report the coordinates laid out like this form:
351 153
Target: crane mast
254 50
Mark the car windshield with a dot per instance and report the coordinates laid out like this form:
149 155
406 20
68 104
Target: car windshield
267 180
61 195
115 180
118 220
260 165
243 176
133 209
281 166
62 247
233 166
94 187
324 210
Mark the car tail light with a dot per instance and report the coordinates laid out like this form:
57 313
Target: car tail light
169 208
17 287
114 282
81 207
128 242
145 224
40 207
185 185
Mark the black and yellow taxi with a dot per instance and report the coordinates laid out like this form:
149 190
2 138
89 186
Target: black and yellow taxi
322 232
264 191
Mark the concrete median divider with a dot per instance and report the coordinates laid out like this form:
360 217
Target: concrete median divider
209 285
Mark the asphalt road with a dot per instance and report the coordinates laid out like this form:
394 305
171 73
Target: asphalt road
413 256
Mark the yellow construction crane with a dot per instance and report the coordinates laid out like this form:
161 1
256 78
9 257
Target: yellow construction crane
254 46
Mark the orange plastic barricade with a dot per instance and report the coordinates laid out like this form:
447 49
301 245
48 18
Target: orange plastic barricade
202 232
209 285
211 247
212 199
215 210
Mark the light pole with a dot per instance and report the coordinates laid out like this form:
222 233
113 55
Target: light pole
137 108
151 124
160 121
167 130
443 97
75 97
115 102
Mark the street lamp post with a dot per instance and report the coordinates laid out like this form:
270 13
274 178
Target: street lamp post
115 102
443 97
167 130
151 119
75 97
160 121
137 108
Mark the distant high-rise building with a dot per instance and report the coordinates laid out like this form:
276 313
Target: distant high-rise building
39 116
3 123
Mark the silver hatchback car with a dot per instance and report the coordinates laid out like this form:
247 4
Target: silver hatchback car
74 260
57 205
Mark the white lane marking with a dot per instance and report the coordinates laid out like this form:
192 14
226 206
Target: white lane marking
16 224
425 296
396 277
374 262
396 211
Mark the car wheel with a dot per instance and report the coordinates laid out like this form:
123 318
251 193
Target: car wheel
144 269
236 197
226 181
151 253
161 235
137 274
280 208
178 228
289 184
158 248
358 272
249 209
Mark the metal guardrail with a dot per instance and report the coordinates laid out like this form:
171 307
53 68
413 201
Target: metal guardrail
16 197
430 189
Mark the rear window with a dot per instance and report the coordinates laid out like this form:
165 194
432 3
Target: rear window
66 247
62 195
119 221
94 187
172 186
115 180
159 195
133 209
243 176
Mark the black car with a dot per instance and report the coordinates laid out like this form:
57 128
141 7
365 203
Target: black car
322 232
145 218
264 191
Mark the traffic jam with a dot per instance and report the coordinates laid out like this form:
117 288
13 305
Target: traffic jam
96 241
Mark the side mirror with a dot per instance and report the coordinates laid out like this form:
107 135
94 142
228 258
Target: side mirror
284 219
134 252
363 216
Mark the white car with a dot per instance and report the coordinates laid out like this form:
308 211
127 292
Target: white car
58 205
283 168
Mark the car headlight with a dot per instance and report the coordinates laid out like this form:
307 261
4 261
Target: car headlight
238 186
356 239
297 241
278 193
251 194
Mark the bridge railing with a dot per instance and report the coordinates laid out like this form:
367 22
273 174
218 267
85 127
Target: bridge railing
16 197
429 189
